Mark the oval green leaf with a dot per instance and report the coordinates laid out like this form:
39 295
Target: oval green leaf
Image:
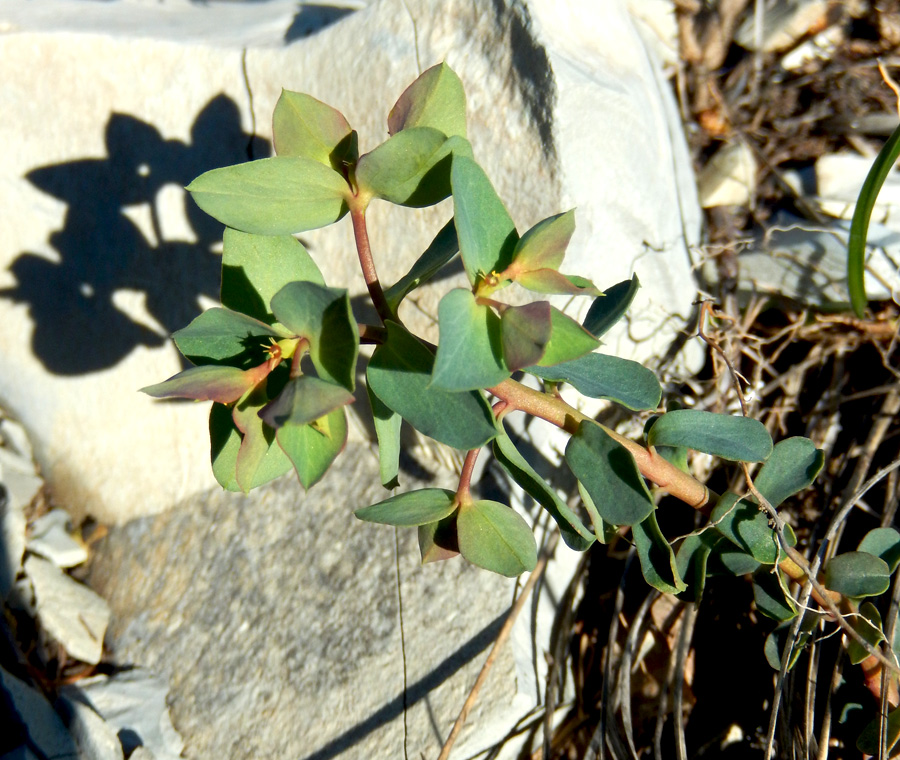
868 625
857 574
256 267
304 126
608 310
601 376
742 523
883 543
399 373
494 537
303 400
470 352
525 332
739 439
260 459
387 430
438 540
793 466
273 196
568 340
225 443
486 232
691 560
421 507
771 598
544 245
436 99
657 558
222 336
412 168
609 474
313 448
323 316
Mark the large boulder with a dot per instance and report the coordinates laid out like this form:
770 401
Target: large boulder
102 254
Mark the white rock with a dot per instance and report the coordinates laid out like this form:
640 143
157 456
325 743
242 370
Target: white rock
95 738
70 612
784 24
133 702
575 113
729 178
51 539
840 177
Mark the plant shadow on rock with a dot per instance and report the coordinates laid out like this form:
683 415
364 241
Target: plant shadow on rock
78 325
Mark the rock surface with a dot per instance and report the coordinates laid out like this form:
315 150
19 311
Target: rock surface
276 620
102 256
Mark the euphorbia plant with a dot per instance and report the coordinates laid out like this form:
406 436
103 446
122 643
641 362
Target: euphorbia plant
279 360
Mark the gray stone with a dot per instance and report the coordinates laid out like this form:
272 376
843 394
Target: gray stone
36 719
51 539
94 737
276 621
102 256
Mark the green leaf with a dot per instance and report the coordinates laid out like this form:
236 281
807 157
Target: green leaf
427 505
303 400
273 196
399 373
869 740
387 430
225 442
525 331
438 540
256 267
609 474
883 543
486 232
568 340
868 625
544 245
313 448
857 574
211 382
551 281
775 641
304 126
470 352
260 459
601 376
439 253
657 558
322 315
572 530
412 168
436 99
733 560
607 311
739 439
221 336
494 537
742 523
862 214
691 560
793 466
604 532
770 596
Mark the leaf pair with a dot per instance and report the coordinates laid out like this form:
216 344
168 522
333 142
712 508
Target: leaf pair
317 174
488 534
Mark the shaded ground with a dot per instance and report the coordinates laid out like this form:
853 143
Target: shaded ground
639 658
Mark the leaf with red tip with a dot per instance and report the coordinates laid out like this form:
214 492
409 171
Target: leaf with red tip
209 383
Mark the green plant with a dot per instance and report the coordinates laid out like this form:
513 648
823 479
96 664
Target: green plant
279 361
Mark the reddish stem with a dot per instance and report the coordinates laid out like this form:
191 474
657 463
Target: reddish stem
367 263
463 493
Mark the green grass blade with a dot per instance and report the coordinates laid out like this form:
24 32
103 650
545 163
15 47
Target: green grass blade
859 227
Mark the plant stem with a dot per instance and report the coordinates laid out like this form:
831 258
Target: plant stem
463 494
652 466
367 263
